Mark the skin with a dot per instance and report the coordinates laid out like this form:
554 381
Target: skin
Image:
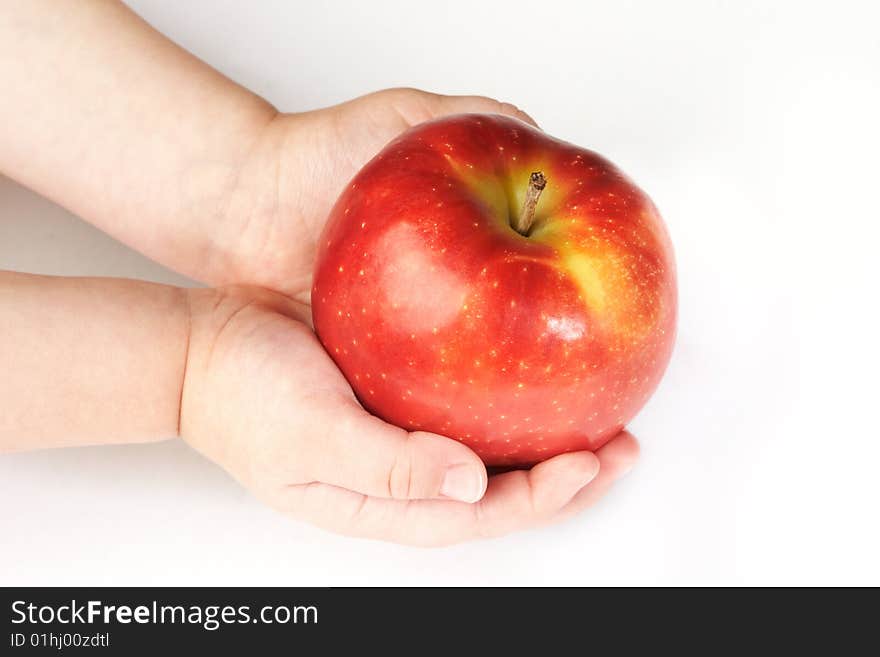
108 118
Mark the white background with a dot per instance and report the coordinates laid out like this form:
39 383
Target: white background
754 128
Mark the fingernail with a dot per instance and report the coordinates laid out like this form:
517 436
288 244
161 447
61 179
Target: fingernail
462 482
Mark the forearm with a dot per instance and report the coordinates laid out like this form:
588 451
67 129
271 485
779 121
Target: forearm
89 361
110 119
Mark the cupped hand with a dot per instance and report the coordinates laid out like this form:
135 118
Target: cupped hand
262 399
296 170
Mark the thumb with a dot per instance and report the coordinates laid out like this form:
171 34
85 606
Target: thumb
364 454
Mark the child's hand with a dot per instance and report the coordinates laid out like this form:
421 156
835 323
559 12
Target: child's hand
262 399
296 171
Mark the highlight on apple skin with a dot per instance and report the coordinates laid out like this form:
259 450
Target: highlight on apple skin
452 307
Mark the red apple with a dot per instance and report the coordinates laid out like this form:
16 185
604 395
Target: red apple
457 297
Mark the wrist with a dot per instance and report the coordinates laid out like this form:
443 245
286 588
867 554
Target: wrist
222 324
257 209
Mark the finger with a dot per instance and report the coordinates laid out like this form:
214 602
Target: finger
526 498
463 104
362 453
515 500
617 458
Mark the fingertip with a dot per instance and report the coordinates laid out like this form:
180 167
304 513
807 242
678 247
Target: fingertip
594 462
515 111
562 477
464 477
584 467
620 454
463 482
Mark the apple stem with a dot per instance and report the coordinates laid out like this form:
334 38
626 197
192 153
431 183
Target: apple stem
523 223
